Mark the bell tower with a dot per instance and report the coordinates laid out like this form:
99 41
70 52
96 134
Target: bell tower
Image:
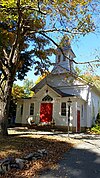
66 58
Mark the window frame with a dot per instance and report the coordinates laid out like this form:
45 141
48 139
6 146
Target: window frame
31 109
82 110
63 109
21 109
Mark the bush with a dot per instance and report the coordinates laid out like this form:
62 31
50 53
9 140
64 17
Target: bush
96 129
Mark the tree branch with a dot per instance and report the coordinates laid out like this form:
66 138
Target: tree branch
6 9
15 44
54 30
4 62
5 54
87 62
1 82
1 68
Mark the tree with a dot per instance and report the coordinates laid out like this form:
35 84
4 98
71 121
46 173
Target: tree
25 23
28 84
18 92
92 79
89 76
42 77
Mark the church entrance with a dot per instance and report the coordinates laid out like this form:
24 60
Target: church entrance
46 110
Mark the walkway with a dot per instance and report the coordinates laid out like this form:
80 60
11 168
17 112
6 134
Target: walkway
82 161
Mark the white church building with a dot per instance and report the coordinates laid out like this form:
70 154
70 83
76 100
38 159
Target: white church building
61 98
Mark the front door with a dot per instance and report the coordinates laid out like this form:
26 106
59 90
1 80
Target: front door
78 120
46 112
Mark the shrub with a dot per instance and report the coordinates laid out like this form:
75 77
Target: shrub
96 129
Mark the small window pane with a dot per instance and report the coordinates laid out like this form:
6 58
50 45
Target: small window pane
64 58
21 109
32 109
82 111
63 109
58 58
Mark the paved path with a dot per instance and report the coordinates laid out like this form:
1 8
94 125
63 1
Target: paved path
82 161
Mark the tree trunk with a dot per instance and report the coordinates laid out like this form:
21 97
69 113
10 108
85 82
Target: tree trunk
5 105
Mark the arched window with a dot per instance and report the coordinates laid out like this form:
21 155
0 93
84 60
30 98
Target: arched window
47 98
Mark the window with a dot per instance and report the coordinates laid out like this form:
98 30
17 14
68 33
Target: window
32 109
47 98
58 58
82 107
64 58
63 109
21 109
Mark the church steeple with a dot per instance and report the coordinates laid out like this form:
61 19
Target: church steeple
65 60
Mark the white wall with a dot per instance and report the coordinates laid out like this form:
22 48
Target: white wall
25 116
92 107
63 120
18 112
95 100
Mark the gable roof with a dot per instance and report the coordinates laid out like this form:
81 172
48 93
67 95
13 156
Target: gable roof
40 84
47 79
60 92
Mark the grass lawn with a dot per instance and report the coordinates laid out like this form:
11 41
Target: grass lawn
20 144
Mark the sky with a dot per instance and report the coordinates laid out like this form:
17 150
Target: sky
85 48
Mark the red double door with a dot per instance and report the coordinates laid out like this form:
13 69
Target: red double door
46 110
